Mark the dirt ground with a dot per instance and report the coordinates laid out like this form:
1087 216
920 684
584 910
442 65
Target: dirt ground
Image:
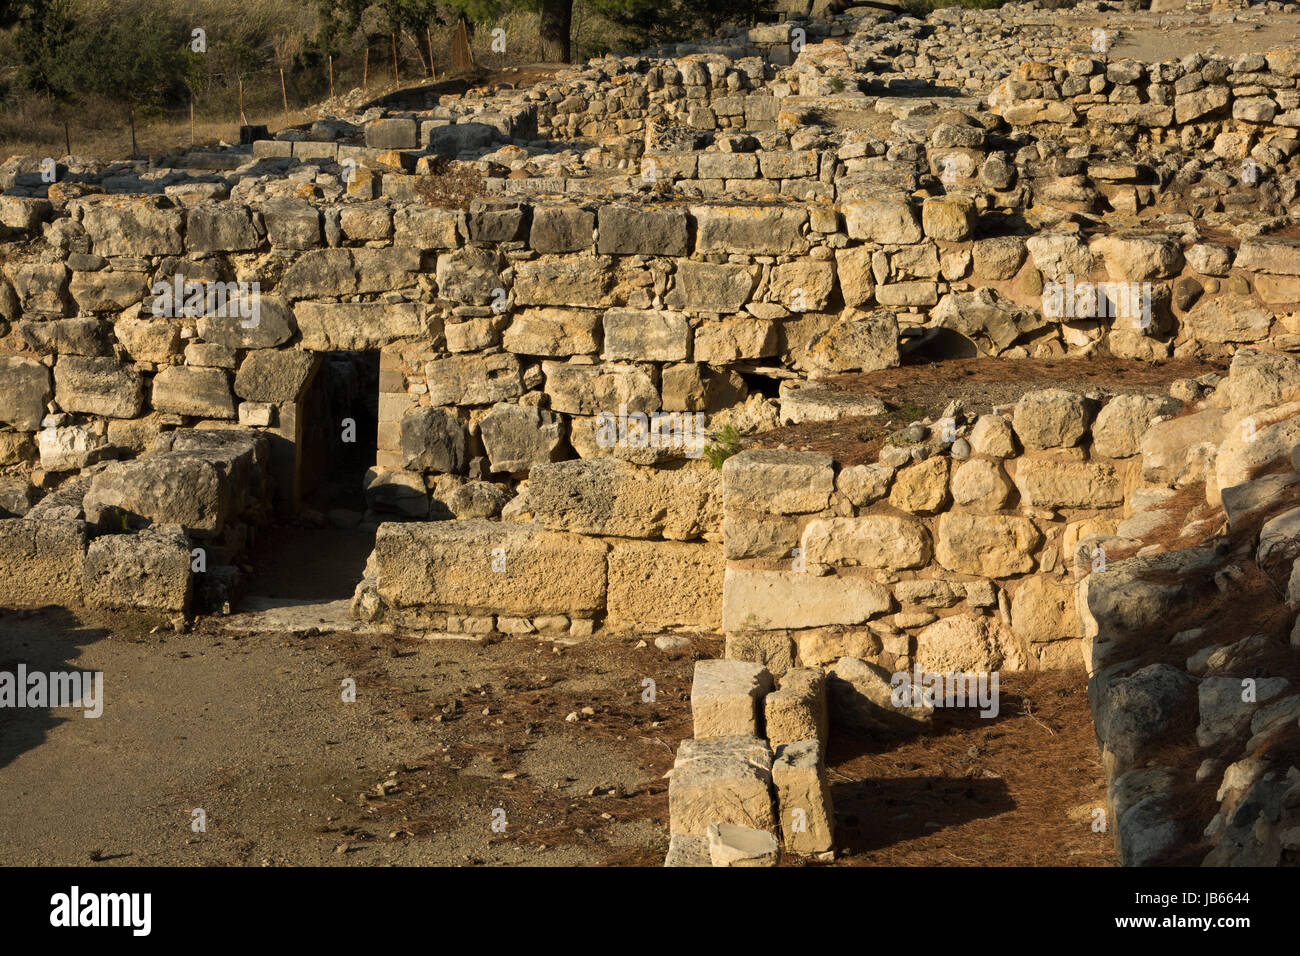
447 737
924 390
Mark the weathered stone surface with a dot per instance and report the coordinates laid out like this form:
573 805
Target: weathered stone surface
220 227
1045 483
731 845
688 849
981 485
999 257
106 291
726 698
556 333
24 390
719 342
777 482
517 437
132 226
1278 255
607 496
1042 610
992 546
433 439
592 389
1222 710
295 223
665 584
427 227
473 379
921 488
965 643
628 230
804 798
1177 452
948 218
1227 318
274 324
1121 423
770 600
149 571
336 326
1132 257
168 489
712 287
202 392
450 564
1131 710
41 562
1051 418
98 386
853 270
798 710
1259 378
890 221
572 281
871 541
857 341
71 447
721 780
273 375
750 230
646 335
862 700
561 229
863 484
989 321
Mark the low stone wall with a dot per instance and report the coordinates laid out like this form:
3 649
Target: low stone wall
951 552
163 533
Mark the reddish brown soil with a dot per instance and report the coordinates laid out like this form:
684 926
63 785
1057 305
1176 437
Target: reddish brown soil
912 392
976 791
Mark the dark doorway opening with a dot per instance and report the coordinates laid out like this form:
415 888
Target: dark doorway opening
318 553
339 415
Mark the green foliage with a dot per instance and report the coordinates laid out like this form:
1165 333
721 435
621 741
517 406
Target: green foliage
653 22
129 55
836 84
725 444
337 20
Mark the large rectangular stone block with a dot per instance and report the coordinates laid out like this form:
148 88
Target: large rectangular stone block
721 780
333 326
489 567
751 230
149 571
628 230
665 584
608 496
771 600
804 799
726 698
775 481
41 562
646 335
797 710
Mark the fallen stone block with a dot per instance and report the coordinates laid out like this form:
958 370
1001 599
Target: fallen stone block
721 780
149 571
731 845
688 849
861 699
726 698
797 711
804 799
41 562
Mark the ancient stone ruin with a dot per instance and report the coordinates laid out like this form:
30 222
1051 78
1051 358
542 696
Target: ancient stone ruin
576 311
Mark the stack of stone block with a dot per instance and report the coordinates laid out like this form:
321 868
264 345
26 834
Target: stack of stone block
752 781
